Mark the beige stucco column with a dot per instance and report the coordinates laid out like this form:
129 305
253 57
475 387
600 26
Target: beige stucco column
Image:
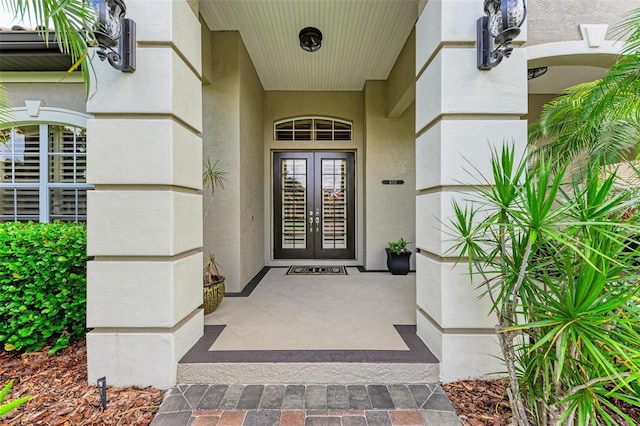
460 113
145 215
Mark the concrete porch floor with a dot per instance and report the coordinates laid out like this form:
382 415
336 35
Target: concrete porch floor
322 329
311 350
296 312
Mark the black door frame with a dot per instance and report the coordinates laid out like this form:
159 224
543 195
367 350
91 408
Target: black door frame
314 198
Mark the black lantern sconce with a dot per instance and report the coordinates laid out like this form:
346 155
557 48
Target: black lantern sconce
500 26
113 31
310 39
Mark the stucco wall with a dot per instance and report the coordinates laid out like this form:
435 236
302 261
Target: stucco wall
251 169
207 54
233 126
68 96
390 154
401 81
344 105
553 21
221 142
536 102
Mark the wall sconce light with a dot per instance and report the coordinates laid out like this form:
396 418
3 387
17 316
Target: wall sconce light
111 30
500 25
310 39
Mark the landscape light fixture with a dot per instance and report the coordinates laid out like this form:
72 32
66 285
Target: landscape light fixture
113 31
310 39
500 26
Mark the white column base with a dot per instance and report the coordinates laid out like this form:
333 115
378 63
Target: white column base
462 356
141 357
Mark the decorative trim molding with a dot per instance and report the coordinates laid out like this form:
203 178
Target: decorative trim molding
34 113
594 34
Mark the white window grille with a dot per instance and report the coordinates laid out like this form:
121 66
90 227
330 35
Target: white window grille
43 173
312 129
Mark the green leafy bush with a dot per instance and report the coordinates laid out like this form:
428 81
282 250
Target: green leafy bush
42 285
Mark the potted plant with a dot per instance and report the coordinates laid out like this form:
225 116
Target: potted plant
212 280
398 257
213 285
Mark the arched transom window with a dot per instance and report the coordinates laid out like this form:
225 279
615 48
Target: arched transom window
312 129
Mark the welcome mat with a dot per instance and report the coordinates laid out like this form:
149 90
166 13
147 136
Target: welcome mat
317 270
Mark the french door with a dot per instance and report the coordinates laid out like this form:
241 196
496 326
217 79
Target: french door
314 205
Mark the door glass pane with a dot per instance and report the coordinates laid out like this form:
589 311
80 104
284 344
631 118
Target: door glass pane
334 204
294 203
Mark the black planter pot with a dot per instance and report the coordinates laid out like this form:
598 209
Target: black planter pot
398 264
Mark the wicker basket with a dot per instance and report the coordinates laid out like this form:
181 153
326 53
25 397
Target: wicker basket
213 294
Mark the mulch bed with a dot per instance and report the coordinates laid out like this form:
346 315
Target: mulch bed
61 395
479 402
485 403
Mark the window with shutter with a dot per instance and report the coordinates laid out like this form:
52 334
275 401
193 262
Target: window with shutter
312 129
43 171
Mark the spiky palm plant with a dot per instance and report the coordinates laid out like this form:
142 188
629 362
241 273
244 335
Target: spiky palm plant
558 261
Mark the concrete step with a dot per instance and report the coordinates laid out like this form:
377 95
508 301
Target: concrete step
303 373
415 365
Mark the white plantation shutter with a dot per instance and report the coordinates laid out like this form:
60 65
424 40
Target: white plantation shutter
294 203
67 164
20 175
43 174
334 204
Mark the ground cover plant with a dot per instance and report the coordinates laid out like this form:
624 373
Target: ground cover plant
557 256
42 285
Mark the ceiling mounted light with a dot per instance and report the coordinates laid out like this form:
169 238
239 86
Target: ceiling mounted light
310 39
111 30
536 72
500 25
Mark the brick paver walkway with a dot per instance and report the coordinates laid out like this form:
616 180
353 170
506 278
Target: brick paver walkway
306 405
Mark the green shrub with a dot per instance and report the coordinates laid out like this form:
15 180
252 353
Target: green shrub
42 285
557 256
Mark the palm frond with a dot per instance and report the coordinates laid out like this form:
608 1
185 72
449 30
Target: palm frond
72 22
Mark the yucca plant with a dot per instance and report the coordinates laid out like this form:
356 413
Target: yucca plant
213 178
558 260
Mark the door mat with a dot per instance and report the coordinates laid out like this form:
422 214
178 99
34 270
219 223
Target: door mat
317 270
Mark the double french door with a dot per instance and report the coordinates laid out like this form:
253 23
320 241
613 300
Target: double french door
314 205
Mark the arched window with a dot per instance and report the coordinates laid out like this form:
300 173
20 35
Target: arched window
43 163
312 129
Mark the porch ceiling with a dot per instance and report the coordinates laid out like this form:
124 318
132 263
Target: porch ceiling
361 39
